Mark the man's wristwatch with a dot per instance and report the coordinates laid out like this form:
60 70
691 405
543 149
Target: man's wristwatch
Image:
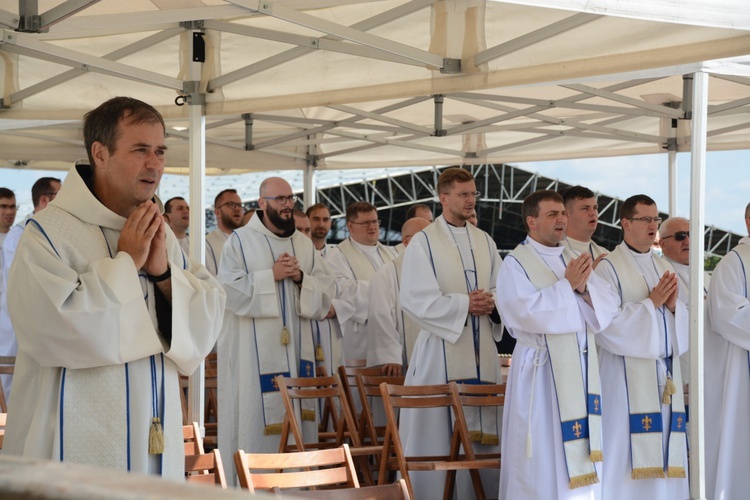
161 277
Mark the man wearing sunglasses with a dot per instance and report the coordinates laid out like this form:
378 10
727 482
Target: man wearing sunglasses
674 240
727 379
643 417
228 212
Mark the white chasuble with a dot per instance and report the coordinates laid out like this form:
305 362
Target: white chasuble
634 413
452 344
533 438
250 348
93 369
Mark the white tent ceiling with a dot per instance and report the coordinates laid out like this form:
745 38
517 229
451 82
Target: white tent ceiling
345 84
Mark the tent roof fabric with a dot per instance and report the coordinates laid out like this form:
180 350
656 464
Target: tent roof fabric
359 84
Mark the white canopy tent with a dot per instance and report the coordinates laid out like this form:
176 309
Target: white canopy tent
330 84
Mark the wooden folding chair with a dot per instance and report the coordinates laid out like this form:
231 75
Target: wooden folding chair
430 396
7 367
211 408
482 396
200 467
330 390
347 374
393 491
334 467
368 386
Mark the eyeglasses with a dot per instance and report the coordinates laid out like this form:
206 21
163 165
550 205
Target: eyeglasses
368 223
679 235
12 208
281 200
469 194
51 196
647 220
231 204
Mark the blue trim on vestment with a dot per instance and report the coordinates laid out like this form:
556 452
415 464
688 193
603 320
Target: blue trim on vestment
645 423
44 233
62 411
573 430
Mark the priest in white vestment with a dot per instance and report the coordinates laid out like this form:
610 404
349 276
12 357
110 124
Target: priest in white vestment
177 215
43 192
552 304
583 219
355 260
320 226
639 359
447 287
275 280
107 311
727 357
391 334
228 213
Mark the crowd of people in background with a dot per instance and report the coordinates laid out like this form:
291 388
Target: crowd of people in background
103 309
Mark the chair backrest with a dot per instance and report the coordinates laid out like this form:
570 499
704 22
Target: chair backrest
334 467
347 374
7 367
205 469
390 491
328 389
368 385
191 435
481 395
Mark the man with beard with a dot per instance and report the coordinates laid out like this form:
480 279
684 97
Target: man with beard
355 260
320 226
643 420
583 217
448 286
275 282
228 212
177 215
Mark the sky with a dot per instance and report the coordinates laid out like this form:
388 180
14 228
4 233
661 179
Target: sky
727 182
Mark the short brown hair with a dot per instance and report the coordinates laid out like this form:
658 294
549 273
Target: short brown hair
358 207
530 206
451 175
317 206
103 123
627 210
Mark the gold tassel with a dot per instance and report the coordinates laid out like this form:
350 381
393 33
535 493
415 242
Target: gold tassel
669 389
676 472
596 456
647 473
319 354
273 429
308 415
584 480
284 336
155 437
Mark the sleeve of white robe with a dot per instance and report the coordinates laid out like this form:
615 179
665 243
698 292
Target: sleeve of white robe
100 317
632 331
526 309
249 293
383 338
728 307
421 297
351 294
317 290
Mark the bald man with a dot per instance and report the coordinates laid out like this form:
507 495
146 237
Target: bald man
276 282
390 334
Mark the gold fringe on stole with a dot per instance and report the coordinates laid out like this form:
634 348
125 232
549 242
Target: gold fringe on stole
155 437
272 429
647 473
490 439
319 354
676 472
596 456
308 415
284 336
584 480
669 389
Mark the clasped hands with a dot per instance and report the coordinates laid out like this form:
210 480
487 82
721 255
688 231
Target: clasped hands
665 292
578 271
286 266
481 303
144 238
